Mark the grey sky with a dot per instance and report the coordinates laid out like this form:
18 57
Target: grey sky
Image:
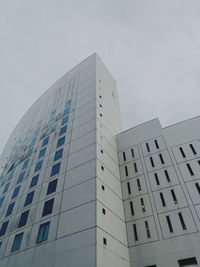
152 48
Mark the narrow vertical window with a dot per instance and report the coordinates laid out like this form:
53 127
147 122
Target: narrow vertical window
129 188
126 170
147 229
135 167
43 232
182 152
124 156
4 228
23 219
17 242
198 187
167 176
190 169
156 178
147 146
135 232
162 200
169 224
132 153
131 208
174 196
161 158
156 143
139 185
152 163
193 149
182 220
142 204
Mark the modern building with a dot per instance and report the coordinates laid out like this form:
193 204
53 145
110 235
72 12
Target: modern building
77 191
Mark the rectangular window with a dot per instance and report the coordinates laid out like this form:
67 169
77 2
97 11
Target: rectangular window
6 188
55 169
124 156
132 153
129 188
68 103
63 130
198 187
29 198
1 201
25 164
52 186
4 228
152 163
51 122
156 143
48 207
61 141
43 232
58 154
182 220
10 209
126 170
12 172
147 146
65 120
29 153
162 200
167 176
34 181
174 196
193 149
161 158
42 153
135 167
187 262
156 178
23 219
38 166
169 224
131 208
139 185
21 177
16 192
33 142
147 229
182 152
66 111
53 113
142 204
17 242
135 232
45 141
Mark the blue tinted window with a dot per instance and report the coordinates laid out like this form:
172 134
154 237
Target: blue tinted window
17 242
50 122
6 188
43 232
16 192
55 169
4 228
21 177
29 153
29 198
48 207
45 141
23 219
37 132
33 141
68 103
66 111
38 166
61 141
52 186
65 120
42 153
34 181
1 201
63 130
53 113
10 209
58 154
11 174
25 164
48 131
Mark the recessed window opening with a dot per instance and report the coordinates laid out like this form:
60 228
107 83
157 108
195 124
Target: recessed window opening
156 178
147 146
193 149
156 143
182 152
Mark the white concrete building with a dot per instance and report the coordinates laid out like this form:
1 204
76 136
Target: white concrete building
77 191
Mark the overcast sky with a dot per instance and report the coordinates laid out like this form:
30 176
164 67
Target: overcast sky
152 48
